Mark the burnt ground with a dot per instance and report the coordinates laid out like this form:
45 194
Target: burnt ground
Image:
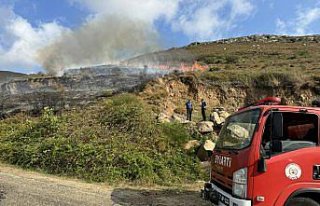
19 187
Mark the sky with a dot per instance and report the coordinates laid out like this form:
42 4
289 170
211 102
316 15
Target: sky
42 35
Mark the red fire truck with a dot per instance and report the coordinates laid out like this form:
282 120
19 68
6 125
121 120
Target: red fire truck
267 154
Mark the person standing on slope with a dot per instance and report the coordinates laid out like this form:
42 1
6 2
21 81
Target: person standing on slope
189 109
203 109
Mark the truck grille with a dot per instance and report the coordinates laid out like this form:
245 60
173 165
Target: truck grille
222 187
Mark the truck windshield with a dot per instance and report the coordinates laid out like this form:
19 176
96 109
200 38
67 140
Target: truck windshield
238 130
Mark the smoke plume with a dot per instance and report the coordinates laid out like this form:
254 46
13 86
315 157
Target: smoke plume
101 40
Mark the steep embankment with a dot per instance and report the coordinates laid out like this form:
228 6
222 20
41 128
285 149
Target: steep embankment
169 94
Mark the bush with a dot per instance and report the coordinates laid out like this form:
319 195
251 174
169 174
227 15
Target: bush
276 79
303 53
176 133
231 59
212 60
117 140
219 59
127 113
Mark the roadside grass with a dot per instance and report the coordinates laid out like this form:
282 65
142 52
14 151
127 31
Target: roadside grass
118 140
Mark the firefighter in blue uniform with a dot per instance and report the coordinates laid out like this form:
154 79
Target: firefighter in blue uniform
189 109
203 109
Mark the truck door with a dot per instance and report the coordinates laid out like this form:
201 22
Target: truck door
290 155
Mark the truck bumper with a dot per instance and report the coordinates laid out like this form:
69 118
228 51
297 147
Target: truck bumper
217 196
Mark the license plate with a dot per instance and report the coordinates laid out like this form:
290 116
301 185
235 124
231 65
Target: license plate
223 199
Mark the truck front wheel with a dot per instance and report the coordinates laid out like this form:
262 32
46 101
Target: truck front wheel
302 201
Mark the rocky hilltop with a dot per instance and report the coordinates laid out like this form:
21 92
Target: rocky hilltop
266 39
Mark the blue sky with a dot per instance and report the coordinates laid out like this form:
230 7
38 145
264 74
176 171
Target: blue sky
30 26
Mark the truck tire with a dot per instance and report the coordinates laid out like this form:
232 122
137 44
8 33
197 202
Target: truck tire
302 201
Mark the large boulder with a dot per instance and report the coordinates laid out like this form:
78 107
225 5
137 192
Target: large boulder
215 118
205 127
219 116
205 149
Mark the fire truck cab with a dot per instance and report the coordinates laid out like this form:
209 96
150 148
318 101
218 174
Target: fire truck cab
267 154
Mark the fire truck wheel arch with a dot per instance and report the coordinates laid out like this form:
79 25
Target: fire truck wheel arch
305 197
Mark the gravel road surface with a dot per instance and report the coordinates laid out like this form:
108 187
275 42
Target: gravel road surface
20 187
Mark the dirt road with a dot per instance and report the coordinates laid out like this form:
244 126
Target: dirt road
19 187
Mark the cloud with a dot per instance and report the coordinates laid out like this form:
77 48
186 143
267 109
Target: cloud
197 19
147 11
19 40
306 18
208 20
302 23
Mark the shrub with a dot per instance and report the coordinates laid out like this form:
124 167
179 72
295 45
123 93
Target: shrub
231 59
117 140
127 113
212 60
176 133
276 79
303 53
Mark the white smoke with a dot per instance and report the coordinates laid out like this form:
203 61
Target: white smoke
101 40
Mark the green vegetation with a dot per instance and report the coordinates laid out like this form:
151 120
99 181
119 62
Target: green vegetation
259 79
230 59
116 140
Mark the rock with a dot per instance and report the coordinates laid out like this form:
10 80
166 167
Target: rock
224 114
209 145
218 116
178 118
205 127
163 118
215 118
204 149
191 144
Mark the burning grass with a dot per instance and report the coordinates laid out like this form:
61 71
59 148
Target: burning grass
114 141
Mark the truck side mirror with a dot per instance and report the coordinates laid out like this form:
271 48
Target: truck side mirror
277 125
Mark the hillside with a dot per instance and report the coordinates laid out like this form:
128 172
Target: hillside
251 52
6 76
77 87
240 71
120 138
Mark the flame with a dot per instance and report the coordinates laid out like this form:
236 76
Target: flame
183 67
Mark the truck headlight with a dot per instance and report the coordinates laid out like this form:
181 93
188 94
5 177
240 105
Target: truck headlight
239 187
